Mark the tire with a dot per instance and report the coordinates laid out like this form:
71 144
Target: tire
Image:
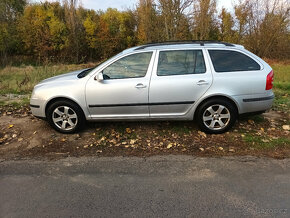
216 116
65 116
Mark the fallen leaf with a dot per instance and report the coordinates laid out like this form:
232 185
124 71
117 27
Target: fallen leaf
169 145
128 130
132 141
286 127
10 126
201 149
251 122
221 148
202 134
113 141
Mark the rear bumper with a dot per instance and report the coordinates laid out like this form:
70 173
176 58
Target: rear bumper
255 103
259 99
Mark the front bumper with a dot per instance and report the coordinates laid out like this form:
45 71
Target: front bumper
37 107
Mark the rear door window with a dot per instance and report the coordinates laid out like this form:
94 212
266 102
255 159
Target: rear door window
180 62
228 61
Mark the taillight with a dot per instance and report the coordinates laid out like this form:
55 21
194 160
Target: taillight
270 79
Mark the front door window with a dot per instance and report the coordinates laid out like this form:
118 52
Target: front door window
131 66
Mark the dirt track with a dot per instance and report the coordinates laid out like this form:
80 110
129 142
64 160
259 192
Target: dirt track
22 136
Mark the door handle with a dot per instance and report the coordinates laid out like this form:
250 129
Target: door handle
140 86
202 82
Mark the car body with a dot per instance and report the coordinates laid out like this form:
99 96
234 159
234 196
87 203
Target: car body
162 81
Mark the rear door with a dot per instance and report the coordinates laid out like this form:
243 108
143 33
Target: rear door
179 79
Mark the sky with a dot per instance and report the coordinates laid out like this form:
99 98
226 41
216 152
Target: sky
124 4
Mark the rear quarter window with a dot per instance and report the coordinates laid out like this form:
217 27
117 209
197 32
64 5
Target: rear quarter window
230 61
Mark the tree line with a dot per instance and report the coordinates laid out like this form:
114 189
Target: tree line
68 33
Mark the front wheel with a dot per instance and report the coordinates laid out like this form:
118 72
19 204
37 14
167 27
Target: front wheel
216 116
65 116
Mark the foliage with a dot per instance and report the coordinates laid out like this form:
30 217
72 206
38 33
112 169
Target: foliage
52 32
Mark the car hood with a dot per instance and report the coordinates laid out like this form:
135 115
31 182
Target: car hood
62 78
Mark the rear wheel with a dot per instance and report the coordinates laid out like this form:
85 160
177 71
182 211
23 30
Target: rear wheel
216 116
65 116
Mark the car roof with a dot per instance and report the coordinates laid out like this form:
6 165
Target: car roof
183 45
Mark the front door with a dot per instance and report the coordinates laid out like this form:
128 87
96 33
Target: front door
124 91
179 79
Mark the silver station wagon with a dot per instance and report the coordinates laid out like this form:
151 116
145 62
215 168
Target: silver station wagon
210 82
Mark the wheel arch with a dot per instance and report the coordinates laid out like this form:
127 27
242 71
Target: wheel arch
53 100
232 101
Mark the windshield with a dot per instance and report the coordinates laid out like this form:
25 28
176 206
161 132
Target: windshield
87 71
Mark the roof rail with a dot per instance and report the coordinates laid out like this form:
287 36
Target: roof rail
201 42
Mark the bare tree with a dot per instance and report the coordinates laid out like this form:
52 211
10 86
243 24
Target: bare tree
203 18
173 17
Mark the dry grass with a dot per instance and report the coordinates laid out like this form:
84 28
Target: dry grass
21 80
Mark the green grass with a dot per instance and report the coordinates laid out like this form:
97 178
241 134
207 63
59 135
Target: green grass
258 118
266 143
281 86
180 129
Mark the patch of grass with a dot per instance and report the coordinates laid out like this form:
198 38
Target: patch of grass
15 103
180 128
281 72
258 118
21 80
281 86
260 142
121 128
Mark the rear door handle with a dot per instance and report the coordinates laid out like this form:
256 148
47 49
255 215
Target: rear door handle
140 86
202 82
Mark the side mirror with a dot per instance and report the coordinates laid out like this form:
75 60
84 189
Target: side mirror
99 77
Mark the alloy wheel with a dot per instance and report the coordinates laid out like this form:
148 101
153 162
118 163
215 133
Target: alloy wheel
65 118
216 117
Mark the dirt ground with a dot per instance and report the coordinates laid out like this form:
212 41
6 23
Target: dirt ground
24 136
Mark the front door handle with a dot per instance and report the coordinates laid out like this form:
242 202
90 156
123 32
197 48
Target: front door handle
140 86
202 82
